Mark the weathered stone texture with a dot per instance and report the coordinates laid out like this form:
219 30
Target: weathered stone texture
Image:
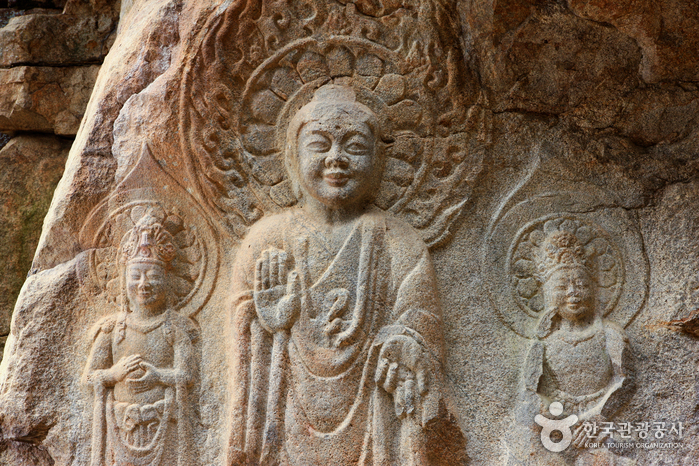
580 70
49 58
30 167
13 452
6 14
664 30
45 99
42 40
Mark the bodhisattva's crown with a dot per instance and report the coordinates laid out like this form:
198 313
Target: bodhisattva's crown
560 249
149 241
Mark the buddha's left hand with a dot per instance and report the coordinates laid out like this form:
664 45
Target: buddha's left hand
403 372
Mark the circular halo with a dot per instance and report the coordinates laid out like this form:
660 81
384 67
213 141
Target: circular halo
612 232
604 261
189 268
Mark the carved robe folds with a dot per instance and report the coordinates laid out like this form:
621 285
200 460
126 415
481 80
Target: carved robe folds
311 397
144 427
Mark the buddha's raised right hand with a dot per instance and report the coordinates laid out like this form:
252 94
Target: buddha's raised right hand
277 295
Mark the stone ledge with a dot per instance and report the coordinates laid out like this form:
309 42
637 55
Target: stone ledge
55 40
45 99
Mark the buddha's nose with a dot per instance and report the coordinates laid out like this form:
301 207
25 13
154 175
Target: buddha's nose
336 159
573 289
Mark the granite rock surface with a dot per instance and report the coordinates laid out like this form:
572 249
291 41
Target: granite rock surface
410 232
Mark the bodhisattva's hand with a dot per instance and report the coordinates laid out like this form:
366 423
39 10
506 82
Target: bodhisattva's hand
150 379
277 296
124 367
403 372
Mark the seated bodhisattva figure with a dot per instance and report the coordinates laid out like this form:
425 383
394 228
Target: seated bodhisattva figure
142 365
579 359
336 322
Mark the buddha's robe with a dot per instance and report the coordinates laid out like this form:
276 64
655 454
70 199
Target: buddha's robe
299 398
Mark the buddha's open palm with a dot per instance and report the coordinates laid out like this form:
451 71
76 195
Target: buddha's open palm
277 295
403 372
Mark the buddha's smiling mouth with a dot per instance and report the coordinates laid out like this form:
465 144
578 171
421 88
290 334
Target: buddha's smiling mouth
336 178
575 304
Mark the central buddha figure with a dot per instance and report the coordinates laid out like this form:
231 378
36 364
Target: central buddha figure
336 324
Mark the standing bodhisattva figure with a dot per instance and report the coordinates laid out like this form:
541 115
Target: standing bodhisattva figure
336 324
142 365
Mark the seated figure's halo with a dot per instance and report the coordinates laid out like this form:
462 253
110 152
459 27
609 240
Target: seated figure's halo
518 257
602 260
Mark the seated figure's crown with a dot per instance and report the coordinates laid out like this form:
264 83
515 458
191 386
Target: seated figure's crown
558 250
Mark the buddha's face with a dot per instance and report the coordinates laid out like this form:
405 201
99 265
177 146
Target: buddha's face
571 292
338 163
146 286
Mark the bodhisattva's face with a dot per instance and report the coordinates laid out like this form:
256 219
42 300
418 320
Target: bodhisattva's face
571 292
146 286
337 157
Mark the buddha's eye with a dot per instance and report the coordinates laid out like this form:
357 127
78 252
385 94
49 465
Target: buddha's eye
317 143
356 148
357 145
